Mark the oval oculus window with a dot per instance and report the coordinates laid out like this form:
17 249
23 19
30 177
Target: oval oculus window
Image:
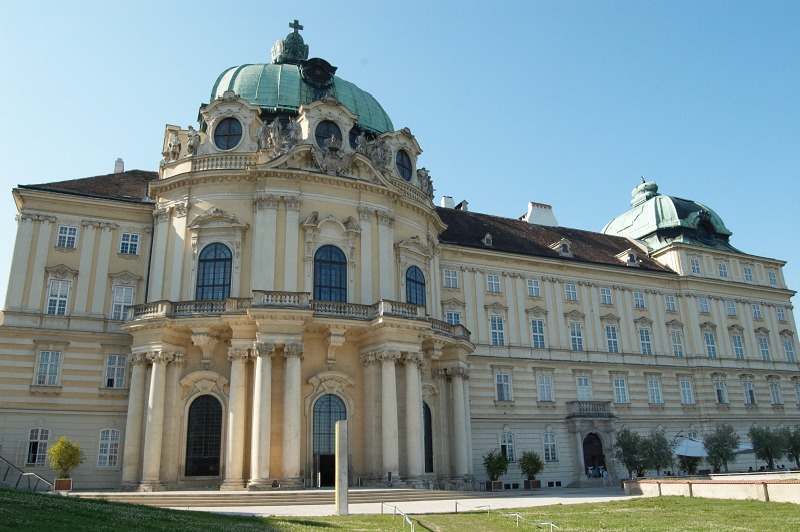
403 165
227 134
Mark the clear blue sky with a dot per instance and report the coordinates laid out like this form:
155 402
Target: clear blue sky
561 102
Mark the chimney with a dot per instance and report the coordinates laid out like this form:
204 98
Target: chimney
540 214
119 166
447 202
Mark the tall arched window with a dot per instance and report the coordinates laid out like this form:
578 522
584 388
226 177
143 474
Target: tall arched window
330 274
327 411
415 286
204 437
214 273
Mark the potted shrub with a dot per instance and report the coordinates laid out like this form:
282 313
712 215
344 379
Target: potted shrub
496 465
531 465
64 456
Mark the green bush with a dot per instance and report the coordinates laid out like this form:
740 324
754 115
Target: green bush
496 464
64 456
531 464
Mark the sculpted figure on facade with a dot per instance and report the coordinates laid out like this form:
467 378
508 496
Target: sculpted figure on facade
173 147
425 182
262 136
361 143
193 141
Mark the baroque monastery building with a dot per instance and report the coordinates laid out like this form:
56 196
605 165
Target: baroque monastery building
286 267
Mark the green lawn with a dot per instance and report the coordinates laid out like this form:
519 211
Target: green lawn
24 511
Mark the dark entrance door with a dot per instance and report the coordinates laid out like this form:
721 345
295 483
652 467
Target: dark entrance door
593 457
428 424
327 411
203 437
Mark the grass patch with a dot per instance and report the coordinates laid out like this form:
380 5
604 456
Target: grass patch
25 511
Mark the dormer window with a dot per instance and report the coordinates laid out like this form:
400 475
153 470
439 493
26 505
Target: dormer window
487 240
563 246
630 256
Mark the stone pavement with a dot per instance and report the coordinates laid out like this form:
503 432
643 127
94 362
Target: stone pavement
543 497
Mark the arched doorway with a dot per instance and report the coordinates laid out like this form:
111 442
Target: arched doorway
593 457
327 411
428 427
203 437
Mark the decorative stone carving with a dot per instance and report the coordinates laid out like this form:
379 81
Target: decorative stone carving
181 208
331 158
173 147
178 360
238 353
293 350
411 358
379 153
361 143
425 182
228 96
264 349
161 213
365 213
159 356
292 202
266 201
386 218
193 142
458 372
138 359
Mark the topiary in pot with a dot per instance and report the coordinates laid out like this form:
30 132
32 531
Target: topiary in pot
531 465
64 456
496 465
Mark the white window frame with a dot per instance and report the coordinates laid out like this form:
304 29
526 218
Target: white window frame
502 387
38 442
507 446
687 392
544 386
48 368
620 390
67 237
576 336
723 269
781 313
775 393
797 392
549 447
749 393
788 349
669 304
583 385
748 274
738 346
450 278
763 347
710 342
115 371
694 262
638 300
129 243
538 338
721 391
493 283
570 292
497 328
676 338
757 314
108 448
58 292
612 339
122 300
606 297
730 308
773 277
534 289
646 340
654 391
453 317
702 305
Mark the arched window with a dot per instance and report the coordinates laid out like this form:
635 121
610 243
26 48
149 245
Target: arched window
330 274
327 411
214 273
204 437
415 286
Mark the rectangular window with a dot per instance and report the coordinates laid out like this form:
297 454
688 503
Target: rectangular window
545 385
611 339
749 393
570 292
502 383
115 371
67 237
677 342
723 269
123 300
537 333
645 341
498 332
129 243
721 391
605 296
763 346
549 447
47 368
576 336
37 447
711 344
533 288
757 311
748 274
781 314
493 283
702 302
687 395
669 303
695 263
773 277
638 300
620 390
730 307
584 386
453 317
58 297
108 450
654 391
450 278
797 392
775 393
788 349
738 346
507 446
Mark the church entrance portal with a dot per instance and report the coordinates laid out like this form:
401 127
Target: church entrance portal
327 411
593 457
203 437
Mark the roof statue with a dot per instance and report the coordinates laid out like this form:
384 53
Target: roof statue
292 49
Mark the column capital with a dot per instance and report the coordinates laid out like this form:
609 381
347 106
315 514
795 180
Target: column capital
266 201
458 372
264 349
238 353
293 350
385 218
138 359
178 360
411 358
292 203
365 213
159 356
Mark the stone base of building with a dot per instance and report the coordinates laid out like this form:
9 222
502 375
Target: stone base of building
232 485
150 485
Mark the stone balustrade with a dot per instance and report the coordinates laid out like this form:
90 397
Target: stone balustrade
589 409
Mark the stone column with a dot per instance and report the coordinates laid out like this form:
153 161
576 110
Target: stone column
266 212
292 203
365 215
581 472
292 415
132 452
104 254
372 413
170 461
415 458
154 429
37 272
178 228
23 246
461 465
389 429
262 416
237 410
158 257
386 263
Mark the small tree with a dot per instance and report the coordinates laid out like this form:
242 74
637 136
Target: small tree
792 437
64 456
628 450
721 446
495 463
768 445
531 464
657 450
690 463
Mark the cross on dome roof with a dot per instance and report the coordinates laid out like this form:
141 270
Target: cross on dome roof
292 49
295 25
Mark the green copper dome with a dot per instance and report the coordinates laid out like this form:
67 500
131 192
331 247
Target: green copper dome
658 220
292 80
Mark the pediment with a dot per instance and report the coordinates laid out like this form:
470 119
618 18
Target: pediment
674 324
216 218
537 311
452 304
610 318
414 245
643 321
124 277
574 315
